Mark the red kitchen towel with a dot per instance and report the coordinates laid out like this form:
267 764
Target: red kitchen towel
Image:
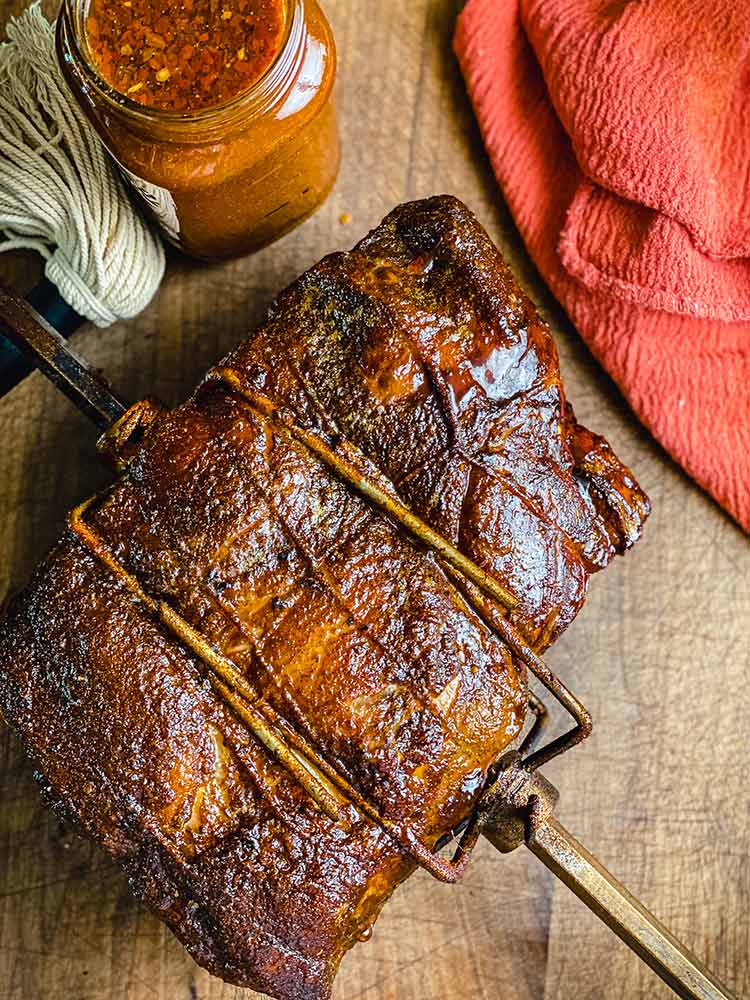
620 134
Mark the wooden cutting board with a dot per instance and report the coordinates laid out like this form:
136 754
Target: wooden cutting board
659 654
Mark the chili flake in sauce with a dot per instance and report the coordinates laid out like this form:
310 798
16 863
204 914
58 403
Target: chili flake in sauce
183 55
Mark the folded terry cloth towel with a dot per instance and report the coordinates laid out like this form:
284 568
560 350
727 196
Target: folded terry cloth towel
619 131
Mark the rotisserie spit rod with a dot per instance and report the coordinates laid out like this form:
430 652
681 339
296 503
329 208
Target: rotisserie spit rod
518 808
43 346
520 811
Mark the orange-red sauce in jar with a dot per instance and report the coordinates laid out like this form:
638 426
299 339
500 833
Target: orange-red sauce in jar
184 54
219 112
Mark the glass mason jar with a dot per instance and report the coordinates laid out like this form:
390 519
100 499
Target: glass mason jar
226 180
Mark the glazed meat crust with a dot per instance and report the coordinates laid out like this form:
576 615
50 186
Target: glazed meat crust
420 348
417 356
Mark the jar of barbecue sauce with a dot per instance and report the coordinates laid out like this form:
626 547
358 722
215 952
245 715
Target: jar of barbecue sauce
219 112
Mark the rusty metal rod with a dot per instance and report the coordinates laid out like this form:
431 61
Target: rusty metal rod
621 912
48 351
519 810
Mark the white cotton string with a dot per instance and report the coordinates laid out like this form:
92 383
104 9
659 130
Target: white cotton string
59 192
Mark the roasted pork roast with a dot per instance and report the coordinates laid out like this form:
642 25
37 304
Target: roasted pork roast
418 358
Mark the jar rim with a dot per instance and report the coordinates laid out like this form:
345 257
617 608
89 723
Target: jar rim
257 97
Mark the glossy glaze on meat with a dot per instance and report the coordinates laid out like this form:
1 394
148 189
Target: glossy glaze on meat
419 356
420 348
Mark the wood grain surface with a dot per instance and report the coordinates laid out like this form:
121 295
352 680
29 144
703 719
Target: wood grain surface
660 653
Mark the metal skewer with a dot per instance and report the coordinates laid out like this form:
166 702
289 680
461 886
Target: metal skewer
630 920
518 808
48 351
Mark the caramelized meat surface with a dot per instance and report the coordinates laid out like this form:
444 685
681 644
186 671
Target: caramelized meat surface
418 358
420 349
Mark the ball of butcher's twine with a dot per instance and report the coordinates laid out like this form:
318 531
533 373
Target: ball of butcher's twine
59 192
